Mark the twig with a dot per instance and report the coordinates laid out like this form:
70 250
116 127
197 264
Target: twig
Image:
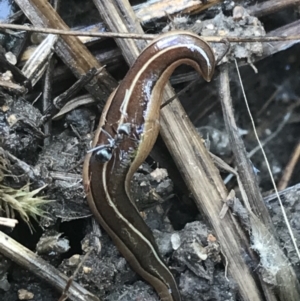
136 36
65 294
291 29
245 175
63 98
269 7
72 52
188 86
288 171
268 166
289 285
8 222
32 262
47 97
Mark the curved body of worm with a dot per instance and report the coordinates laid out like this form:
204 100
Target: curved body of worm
134 108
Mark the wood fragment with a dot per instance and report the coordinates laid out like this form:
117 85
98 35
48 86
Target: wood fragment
16 72
156 9
262 226
47 99
8 222
98 27
34 263
288 171
10 86
62 99
270 7
73 53
37 63
287 30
